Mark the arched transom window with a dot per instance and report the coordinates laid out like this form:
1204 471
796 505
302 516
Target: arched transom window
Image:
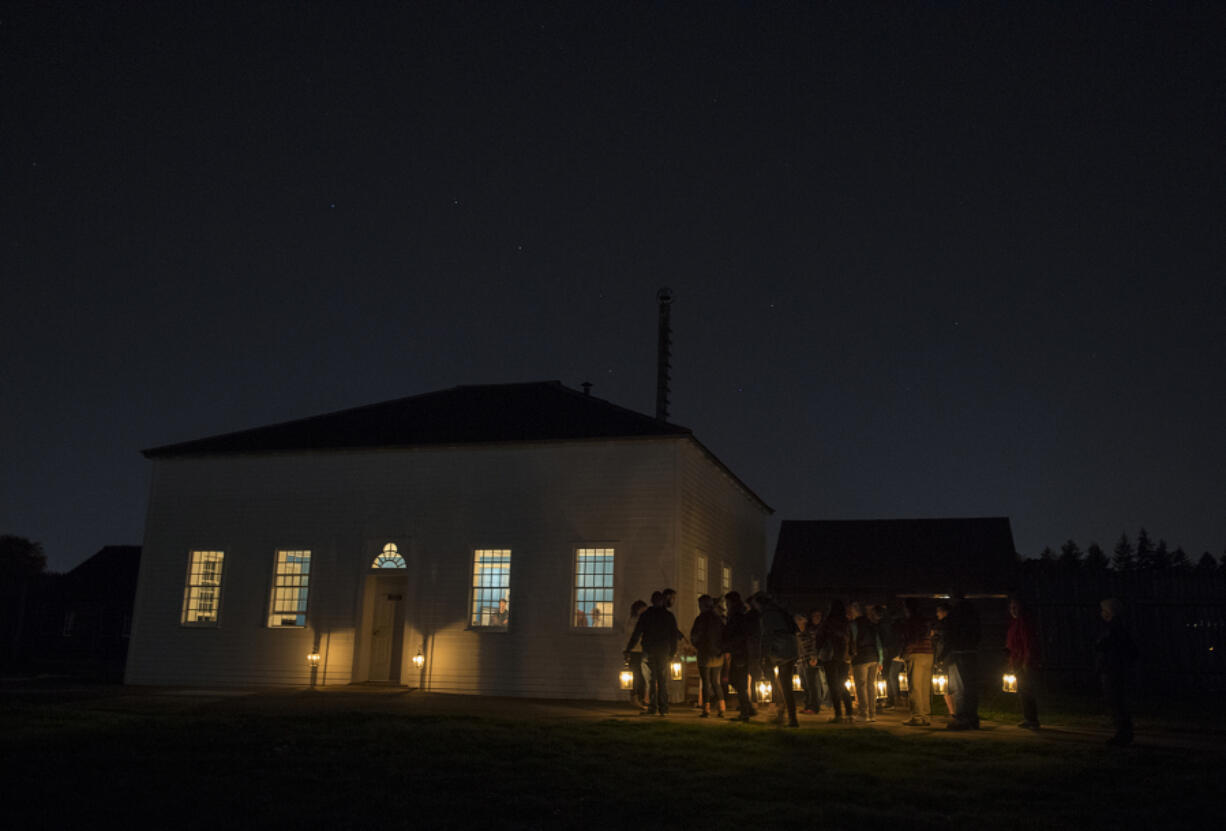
389 557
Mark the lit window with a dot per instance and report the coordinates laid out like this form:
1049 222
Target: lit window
389 557
290 587
700 575
594 588
491 587
202 596
725 580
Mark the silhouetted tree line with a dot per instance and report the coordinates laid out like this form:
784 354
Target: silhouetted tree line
1144 556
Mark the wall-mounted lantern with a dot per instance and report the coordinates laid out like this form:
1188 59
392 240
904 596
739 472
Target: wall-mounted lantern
313 660
419 660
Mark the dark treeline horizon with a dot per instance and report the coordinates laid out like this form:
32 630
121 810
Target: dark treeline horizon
1126 555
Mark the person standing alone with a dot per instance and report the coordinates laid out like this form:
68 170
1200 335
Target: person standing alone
1023 646
1115 653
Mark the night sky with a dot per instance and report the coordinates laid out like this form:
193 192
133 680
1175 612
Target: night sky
929 259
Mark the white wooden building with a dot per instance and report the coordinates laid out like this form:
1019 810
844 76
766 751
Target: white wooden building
501 532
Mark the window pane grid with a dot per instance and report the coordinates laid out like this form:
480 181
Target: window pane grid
594 588
291 587
203 592
491 587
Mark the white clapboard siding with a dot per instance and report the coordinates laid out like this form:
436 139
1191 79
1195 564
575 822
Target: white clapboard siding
539 500
721 520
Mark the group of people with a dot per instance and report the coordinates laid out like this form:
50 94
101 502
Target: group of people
849 647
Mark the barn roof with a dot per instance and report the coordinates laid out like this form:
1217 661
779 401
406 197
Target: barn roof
920 555
485 414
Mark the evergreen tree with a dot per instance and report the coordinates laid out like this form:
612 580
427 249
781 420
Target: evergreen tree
1047 561
1070 556
1160 560
20 558
1206 564
1123 558
1145 550
1179 560
1096 561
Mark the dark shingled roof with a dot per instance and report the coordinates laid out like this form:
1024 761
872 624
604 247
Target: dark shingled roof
540 411
492 413
918 555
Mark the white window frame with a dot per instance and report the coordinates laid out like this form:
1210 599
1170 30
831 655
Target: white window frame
196 582
700 575
482 592
292 580
725 579
608 617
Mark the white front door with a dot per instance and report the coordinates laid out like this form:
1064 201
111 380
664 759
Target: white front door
385 637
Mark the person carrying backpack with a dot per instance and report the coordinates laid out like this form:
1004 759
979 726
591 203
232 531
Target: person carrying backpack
779 651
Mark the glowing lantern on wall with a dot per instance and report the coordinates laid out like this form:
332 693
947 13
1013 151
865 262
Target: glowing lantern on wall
764 692
313 660
675 666
1009 682
419 660
940 683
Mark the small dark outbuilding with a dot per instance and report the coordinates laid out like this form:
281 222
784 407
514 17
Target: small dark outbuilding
880 559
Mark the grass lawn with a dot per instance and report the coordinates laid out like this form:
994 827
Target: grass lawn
71 765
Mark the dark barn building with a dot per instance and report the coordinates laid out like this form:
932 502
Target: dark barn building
881 559
884 560
77 623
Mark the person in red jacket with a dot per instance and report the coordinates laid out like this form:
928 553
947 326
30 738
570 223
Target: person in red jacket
1023 645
